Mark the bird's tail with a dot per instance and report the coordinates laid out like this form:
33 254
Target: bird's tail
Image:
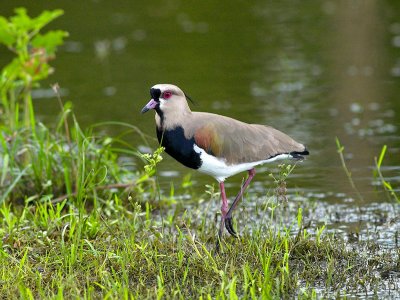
299 155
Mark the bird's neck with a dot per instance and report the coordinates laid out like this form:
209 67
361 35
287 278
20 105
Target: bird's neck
171 119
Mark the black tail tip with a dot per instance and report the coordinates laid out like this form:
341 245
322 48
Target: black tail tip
305 152
299 155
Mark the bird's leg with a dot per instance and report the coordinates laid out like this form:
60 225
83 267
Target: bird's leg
228 217
224 211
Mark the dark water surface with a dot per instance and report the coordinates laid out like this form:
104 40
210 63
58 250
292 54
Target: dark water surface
314 69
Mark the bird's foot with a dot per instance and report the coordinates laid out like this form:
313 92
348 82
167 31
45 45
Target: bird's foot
229 226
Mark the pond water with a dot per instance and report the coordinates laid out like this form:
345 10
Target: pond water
315 70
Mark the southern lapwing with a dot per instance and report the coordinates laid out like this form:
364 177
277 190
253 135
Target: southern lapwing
216 145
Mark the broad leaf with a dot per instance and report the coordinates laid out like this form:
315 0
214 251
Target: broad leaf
21 20
45 18
6 33
50 40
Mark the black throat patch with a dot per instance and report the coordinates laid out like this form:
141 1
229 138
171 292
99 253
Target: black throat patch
179 147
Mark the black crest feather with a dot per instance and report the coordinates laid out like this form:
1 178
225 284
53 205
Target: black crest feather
190 99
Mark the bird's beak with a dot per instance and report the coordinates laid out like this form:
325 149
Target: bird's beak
152 104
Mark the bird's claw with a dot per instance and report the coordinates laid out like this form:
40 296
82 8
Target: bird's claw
229 227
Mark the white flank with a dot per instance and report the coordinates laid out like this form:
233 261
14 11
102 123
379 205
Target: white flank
220 170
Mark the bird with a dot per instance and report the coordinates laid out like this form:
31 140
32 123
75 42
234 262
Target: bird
216 145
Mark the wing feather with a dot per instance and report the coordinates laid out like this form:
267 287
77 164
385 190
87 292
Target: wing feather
239 142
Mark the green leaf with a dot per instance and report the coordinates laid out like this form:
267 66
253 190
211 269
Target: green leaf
45 18
340 148
21 20
10 73
388 185
6 35
299 217
12 185
50 41
381 156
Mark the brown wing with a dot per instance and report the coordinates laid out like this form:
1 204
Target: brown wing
238 142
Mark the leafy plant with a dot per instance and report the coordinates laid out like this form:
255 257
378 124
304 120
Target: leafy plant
280 181
34 50
152 160
38 163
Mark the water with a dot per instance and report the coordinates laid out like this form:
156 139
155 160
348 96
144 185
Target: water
313 70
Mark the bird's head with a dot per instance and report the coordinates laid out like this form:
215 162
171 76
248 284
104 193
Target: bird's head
166 98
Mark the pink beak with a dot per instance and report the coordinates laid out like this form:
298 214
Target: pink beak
151 105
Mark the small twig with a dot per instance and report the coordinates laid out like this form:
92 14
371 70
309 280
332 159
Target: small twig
56 89
340 150
97 188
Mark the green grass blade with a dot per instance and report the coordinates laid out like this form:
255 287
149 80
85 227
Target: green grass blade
381 156
4 171
12 185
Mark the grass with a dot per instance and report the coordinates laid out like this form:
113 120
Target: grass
79 219
121 248
50 165
378 174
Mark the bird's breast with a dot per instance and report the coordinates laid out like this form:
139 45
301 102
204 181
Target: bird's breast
179 147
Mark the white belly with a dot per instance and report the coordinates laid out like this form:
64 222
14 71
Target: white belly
220 170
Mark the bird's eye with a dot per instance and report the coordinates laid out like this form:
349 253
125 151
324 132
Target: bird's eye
167 95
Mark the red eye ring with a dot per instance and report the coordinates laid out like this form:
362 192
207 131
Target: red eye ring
167 95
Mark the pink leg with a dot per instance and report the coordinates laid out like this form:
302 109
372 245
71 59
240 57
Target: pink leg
224 211
228 217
